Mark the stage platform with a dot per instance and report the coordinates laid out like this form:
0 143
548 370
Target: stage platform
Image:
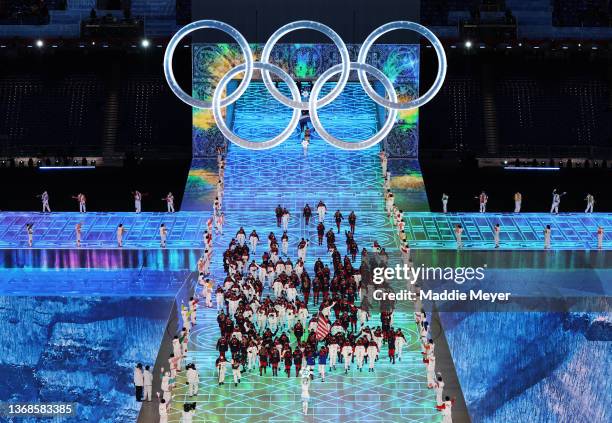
571 231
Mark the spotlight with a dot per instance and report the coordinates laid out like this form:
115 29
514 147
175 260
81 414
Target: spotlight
40 43
145 43
468 44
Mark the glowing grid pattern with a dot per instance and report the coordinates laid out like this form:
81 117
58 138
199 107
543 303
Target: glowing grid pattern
571 231
56 230
524 231
256 181
391 393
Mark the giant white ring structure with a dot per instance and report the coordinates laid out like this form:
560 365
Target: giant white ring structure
316 26
391 103
442 64
255 145
212 24
345 145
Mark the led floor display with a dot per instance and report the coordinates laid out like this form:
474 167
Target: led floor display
255 183
424 230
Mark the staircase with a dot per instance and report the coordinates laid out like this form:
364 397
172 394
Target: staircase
489 112
111 120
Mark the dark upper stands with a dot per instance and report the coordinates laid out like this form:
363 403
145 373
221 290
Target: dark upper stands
79 103
545 105
538 107
560 13
146 121
453 120
52 114
593 13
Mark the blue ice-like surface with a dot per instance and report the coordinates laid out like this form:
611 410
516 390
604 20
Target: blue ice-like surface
351 117
533 367
70 349
90 282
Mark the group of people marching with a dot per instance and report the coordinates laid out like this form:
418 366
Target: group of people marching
275 317
302 323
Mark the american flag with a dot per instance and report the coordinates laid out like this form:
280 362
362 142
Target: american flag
323 327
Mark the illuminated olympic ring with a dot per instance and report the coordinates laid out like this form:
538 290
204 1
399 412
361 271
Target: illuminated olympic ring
435 42
345 145
188 29
344 54
256 145
390 103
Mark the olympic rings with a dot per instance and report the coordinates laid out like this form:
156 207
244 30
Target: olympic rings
437 45
344 54
390 103
188 29
362 145
255 145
